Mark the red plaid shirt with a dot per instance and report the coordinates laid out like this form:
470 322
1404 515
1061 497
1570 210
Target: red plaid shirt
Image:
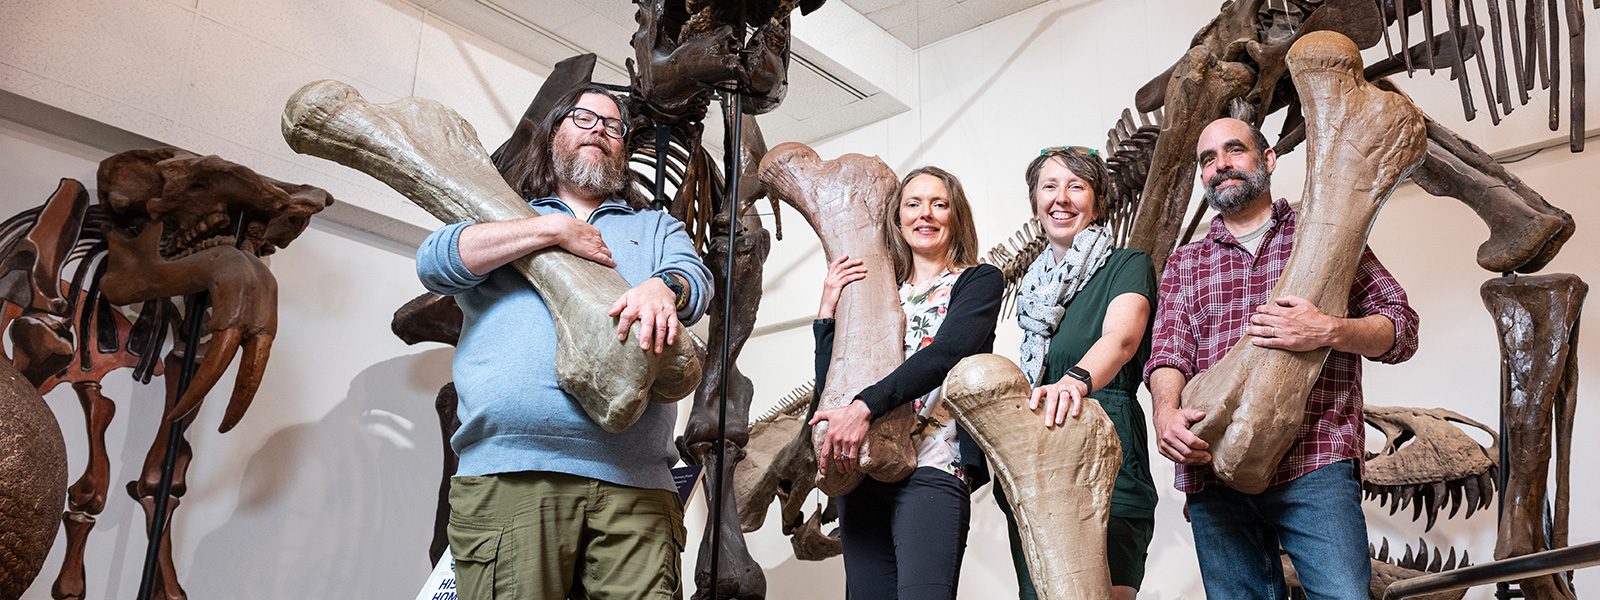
1210 288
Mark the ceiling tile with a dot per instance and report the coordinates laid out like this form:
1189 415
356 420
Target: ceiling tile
918 23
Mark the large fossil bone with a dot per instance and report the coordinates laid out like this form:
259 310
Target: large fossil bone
842 200
1537 318
1201 86
431 155
1059 480
1525 232
1361 142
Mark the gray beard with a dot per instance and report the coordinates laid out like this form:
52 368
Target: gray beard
593 175
1231 199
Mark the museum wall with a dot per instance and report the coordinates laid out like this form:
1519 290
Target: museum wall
327 486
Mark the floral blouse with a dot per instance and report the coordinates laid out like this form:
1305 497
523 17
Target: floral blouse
925 306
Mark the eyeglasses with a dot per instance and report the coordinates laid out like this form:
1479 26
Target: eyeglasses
1079 150
587 119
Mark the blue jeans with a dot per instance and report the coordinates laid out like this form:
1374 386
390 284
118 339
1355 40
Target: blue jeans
1316 518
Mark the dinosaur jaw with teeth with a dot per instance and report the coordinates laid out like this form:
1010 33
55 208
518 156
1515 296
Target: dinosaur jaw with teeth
1429 463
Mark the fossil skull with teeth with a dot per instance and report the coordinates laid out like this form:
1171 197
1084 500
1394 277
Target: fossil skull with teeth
1429 463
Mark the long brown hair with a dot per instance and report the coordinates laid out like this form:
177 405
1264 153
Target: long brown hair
539 161
963 250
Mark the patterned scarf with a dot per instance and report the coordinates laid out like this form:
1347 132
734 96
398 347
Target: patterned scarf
1047 288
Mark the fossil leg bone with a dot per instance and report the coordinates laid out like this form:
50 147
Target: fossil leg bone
1201 86
1059 480
842 200
1537 318
430 155
1361 142
1525 231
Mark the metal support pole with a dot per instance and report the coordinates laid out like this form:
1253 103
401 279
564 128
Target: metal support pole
198 302
663 147
733 113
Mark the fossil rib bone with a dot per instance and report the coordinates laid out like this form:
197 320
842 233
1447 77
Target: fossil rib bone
1361 142
431 155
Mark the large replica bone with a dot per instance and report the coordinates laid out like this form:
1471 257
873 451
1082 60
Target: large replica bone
1537 318
1361 142
1059 481
431 155
843 199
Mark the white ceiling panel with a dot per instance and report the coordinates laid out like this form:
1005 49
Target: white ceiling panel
918 23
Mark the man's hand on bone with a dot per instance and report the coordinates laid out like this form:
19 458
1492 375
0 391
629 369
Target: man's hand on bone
1291 323
653 305
1174 439
576 237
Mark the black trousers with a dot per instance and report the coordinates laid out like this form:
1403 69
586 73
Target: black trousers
905 539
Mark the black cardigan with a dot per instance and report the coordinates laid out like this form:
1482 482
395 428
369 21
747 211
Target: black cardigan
968 330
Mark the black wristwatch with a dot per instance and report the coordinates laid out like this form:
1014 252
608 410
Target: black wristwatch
1078 373
680 296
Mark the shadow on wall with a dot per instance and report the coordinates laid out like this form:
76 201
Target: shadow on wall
321 502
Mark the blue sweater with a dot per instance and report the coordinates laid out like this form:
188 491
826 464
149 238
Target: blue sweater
513 415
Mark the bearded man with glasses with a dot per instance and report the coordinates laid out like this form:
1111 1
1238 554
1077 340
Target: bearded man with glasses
545 503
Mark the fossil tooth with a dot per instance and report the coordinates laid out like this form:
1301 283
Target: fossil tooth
1383 552
1450 564
1455 497
1473 495
1438 560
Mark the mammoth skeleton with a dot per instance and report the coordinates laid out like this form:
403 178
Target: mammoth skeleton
169 225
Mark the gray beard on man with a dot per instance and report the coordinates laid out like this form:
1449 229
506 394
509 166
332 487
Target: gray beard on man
1253 184
603 175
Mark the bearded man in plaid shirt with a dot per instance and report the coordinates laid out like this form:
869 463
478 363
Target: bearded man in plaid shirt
1215 291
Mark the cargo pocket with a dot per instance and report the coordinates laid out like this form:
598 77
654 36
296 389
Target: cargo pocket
671 584
476 549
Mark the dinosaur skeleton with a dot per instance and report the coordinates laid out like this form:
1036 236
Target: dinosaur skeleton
1235 68
1388 569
